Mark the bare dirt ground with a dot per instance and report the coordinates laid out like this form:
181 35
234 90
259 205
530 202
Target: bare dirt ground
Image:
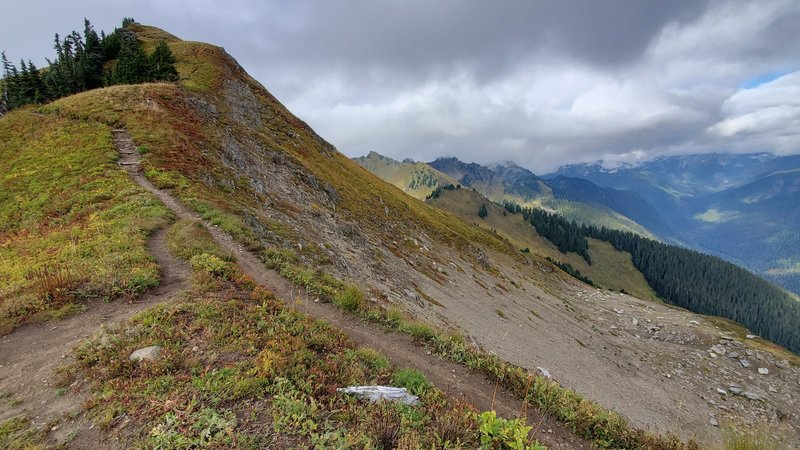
663 368
30 356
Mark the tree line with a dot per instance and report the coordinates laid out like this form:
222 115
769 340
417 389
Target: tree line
563 234
701 283
567 267
82 62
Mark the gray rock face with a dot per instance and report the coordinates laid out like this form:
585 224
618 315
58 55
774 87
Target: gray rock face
752 395
146 354
377 393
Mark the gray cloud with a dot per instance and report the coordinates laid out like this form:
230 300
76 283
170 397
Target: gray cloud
540 83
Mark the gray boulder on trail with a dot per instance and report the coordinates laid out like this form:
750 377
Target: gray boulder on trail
377 393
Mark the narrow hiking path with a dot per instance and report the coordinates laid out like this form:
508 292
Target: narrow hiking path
455 379
30 355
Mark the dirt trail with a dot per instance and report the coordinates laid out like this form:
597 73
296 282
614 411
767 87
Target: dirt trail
452 378
30 355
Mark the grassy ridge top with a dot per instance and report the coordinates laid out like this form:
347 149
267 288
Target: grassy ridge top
187 126
72 224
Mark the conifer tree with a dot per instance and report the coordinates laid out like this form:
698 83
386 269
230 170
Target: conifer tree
482 212
133 65
92 61
162 62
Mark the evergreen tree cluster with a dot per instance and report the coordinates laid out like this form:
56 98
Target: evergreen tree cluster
709 285
567 267
82 63
701 283
438 191
563 234
422 179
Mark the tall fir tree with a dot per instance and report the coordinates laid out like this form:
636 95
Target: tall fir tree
133 66
162 62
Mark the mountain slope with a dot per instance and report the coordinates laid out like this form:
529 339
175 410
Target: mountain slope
610 269
225 147
740 207
511 183
502 182
417 179
628 203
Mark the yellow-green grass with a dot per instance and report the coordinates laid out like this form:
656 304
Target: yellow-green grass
748 438
583 213
18 434
610 268
714 215
400 174
240 370
184 144
606 429
73 225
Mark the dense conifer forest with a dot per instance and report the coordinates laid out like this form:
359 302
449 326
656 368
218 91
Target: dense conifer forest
565 235
698 282
84 62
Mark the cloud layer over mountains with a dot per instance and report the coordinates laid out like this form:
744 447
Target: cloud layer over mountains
540 83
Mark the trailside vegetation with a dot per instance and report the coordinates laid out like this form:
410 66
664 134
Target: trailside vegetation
84 62
701 283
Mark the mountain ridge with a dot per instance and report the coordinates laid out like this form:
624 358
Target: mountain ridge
221 144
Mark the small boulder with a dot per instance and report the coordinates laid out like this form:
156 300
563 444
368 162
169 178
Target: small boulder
377 393
745 363
146 354
718 349
752 396
545 373
783 364
763 371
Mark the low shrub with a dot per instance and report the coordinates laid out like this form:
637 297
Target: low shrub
413 380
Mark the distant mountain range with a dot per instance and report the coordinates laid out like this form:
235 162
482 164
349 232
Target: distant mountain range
743 208
506 182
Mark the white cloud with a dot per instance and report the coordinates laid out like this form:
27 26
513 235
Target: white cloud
540 83
767 115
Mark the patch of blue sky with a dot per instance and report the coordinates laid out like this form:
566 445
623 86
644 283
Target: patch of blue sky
762 79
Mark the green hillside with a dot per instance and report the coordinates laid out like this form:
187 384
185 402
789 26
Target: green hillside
610 268
417 179
72 225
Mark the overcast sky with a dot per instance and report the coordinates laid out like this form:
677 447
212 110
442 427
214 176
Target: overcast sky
541 83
